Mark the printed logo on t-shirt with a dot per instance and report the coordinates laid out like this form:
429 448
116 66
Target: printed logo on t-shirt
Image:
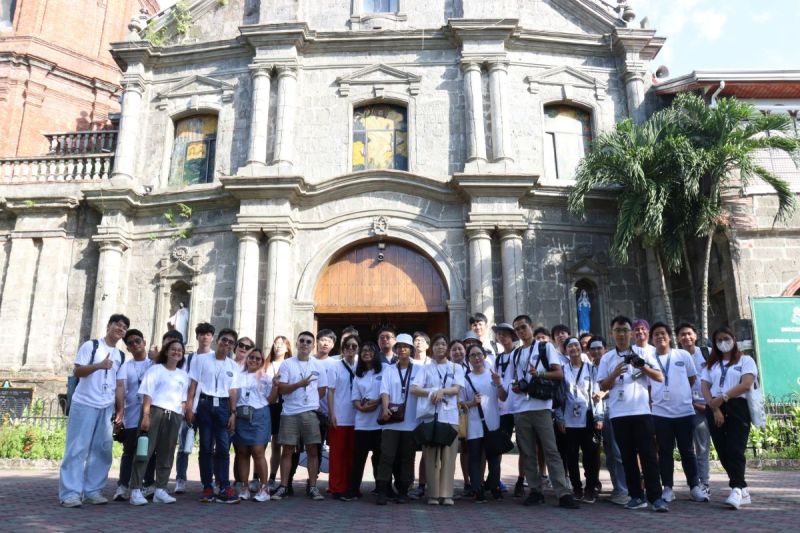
738 368
680 363
378 378
230 374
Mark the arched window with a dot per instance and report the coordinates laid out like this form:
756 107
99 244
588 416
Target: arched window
379 6
194 150
380 135
568 134
7 8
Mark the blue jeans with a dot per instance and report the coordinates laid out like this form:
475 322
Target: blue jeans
702 439
613 458
87 454
215 443
182 461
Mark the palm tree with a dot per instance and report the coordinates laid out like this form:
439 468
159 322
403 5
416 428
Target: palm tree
725 140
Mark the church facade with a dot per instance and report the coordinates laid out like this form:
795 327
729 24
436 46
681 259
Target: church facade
288 165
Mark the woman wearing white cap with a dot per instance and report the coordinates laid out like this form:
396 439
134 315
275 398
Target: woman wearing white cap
580 421
440 383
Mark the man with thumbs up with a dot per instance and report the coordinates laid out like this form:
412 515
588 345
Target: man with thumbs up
87 454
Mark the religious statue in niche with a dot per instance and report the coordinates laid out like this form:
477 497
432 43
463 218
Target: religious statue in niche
180 320
584 312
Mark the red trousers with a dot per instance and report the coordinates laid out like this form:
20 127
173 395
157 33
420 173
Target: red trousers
341 440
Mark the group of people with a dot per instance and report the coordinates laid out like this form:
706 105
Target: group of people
564 397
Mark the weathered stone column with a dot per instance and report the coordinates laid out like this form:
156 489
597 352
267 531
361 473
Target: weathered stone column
481 291
284 131
128 136
501 123
16 303
473 104
245 308
513 273
278 310
635 90
259 120
109 266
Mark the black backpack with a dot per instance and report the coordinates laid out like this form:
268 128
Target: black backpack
560 392
72 381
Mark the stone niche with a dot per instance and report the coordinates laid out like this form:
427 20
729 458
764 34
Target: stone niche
176 280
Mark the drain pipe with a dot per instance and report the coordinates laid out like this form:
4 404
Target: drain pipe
716 93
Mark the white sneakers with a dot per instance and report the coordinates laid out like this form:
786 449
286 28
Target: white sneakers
72 502
667 495
137 498
244 494
698 494
738 497
254 486
161 496
121 494
95 499
262 496
180 486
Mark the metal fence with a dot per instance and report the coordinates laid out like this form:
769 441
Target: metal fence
40 413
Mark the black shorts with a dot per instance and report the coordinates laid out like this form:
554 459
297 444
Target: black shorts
275 416
507 423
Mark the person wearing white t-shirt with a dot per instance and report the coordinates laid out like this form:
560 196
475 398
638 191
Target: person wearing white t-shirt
533 417
580 421
303 383
129 378
326 340
163 391
673 413
627 376
726 381
506 342
479 324
281 350
641 338
422 342
342 417
440 383
397 439
87 453
686 333
481 394
213 379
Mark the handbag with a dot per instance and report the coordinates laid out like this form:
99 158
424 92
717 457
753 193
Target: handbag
397 411
435 433
245 412
463 423
755 404
495 442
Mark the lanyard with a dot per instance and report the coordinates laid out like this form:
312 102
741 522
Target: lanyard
665 369
349 371
519 356
502 362
622 376
723 371
444 379
217 375
404 380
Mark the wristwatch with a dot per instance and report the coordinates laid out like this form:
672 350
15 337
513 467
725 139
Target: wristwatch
725 397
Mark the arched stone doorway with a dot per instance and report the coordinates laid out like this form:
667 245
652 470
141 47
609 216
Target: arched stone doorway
374 284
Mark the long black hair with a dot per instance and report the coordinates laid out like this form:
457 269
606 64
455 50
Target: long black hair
361 366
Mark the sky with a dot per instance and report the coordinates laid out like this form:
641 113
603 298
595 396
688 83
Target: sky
718 34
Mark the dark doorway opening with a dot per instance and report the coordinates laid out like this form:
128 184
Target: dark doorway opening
368 324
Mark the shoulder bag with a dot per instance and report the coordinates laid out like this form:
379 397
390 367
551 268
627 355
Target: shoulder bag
496 442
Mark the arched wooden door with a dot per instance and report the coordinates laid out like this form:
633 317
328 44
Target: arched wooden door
403 290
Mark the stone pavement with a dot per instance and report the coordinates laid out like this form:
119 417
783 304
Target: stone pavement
29 502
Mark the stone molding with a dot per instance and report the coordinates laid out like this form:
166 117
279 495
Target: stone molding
195 87
567 78
377 77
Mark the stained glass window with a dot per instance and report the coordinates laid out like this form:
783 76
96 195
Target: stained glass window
568 134
194 150
379 6
7 8
380 138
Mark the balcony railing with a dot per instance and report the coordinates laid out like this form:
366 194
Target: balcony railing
73 156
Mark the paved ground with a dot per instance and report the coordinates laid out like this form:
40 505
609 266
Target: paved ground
28 502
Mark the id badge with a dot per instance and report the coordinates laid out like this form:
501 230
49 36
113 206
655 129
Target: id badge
621 394
666 394
305 400
215 402
574 389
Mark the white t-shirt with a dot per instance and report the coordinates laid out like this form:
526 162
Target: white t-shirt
521 360
648 349
442 376
328 363
131 375
733 375
305 398
629 395
213 377
391 385
98 388
340 385
167 388
489 403
502 363
699 366
368 387
672 398
580 386
254 389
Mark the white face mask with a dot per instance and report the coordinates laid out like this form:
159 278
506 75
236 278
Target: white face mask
725 346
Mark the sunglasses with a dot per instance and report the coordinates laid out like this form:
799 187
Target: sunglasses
256 358
304 341
351 346
226 340
245 346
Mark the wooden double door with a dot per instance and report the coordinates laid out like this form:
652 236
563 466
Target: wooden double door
371 285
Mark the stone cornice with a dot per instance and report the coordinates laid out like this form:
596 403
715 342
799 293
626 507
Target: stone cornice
38 204
637 44
494 185
264 187
128 201
286 34
483 29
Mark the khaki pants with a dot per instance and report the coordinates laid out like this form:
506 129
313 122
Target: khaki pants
163 436
529 425
440 468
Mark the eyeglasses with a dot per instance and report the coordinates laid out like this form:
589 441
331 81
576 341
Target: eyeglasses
304 341
351 346
621 330
256 358
226 340
245 346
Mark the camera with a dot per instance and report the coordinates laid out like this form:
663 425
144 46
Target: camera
522 385
634 360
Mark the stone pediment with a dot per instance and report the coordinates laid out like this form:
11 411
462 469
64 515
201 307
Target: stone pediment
585 266
180 263
378 77
567 78
199 85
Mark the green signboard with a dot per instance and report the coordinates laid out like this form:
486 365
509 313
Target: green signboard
776 328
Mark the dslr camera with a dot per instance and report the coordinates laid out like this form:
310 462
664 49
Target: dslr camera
634 360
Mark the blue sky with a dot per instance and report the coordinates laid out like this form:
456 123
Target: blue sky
719 34
724 34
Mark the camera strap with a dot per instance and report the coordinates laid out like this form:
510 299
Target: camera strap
480 409
349 371
517 356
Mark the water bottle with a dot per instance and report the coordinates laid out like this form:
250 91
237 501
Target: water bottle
188 442
141 446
